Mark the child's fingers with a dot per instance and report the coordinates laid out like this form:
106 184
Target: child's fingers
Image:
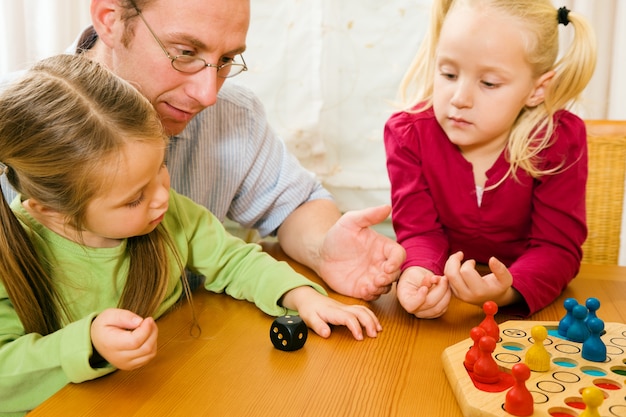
354 317
319 326
368 319
452 268
437 301
431 280
353 324
411 297
501 272
469 268
147 332
120 318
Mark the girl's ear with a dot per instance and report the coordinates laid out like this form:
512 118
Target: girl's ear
37 207
40 211
538 94
50 218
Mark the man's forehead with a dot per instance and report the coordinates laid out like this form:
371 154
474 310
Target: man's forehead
203 24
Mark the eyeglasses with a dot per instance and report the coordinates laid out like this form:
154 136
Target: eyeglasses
192 64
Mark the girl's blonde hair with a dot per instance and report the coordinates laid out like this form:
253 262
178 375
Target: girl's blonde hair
61 126
534 126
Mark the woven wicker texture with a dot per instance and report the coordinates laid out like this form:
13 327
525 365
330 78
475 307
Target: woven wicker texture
605 190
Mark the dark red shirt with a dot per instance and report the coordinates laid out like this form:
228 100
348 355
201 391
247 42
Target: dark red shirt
536 227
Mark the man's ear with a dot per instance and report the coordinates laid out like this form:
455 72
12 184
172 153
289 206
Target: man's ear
104 17
538 94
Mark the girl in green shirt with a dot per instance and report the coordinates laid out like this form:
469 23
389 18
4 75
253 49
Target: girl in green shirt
95 247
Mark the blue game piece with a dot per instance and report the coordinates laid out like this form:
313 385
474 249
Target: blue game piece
578 331
593 304
594 348
566 321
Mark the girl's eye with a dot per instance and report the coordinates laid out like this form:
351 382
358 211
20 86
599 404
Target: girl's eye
489 85
448 75
137 202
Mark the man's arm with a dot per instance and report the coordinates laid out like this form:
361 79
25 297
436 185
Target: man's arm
303 232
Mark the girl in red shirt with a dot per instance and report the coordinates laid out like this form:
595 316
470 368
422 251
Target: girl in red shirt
486 163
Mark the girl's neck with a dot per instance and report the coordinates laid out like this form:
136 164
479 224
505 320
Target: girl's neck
482 159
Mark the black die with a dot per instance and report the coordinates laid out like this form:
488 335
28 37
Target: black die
288 333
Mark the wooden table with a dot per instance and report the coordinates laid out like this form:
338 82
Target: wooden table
232 369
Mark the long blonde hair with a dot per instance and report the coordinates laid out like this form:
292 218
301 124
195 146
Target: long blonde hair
59 126
534 126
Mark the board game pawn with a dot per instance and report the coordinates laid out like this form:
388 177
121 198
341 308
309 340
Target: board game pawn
567 319
519 401
593 304
537 357
474 352
486 369
489 323
578 331
593 398
594 348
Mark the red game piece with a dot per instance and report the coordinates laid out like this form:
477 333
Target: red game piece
486 369
474 352
519 401
489 323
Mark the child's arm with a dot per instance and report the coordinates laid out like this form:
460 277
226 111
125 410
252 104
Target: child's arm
423 294
124 339
33 367
318 311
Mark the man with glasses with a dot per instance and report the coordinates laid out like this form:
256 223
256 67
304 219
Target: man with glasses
223 154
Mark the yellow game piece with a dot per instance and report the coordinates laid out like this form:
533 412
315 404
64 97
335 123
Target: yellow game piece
593 398
537 358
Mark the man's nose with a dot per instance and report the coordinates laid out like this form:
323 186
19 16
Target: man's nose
203 86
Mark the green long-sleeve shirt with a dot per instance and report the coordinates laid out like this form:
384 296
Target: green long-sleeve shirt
33 367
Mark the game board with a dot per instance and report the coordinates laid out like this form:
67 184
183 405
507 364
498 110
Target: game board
557 392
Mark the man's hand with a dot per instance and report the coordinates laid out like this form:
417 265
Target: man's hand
357 261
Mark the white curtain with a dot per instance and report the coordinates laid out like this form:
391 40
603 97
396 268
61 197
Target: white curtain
34 29
327 72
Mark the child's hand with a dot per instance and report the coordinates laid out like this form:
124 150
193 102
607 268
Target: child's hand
423 294
318 311
468 285
124 339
